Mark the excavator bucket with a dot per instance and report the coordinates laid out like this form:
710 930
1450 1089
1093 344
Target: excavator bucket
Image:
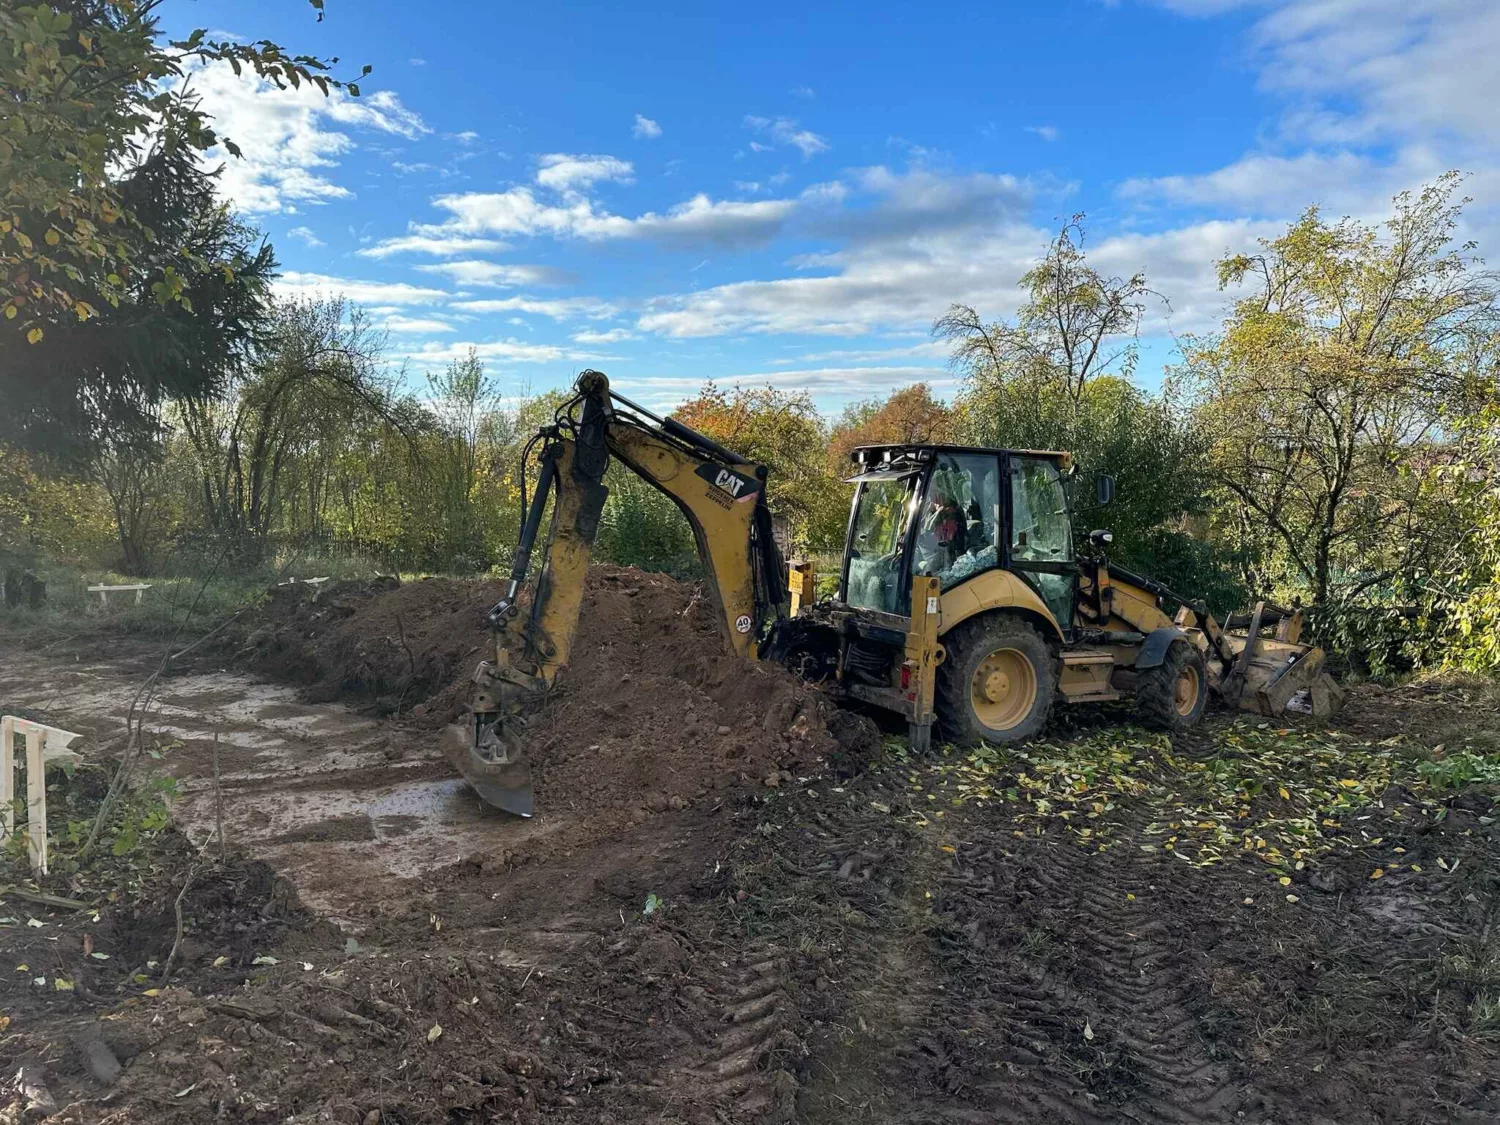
485 746
1273 674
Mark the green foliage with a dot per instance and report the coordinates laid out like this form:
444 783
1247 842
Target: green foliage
1059 377
1195 568
94 388
141 815
1328 392
1458 770
1113 428
136 823
644 528
1076 325
1465 593
88 90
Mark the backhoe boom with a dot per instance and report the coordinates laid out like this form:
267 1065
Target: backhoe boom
721 494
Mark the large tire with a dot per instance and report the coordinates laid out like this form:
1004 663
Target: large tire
997 682
1172 695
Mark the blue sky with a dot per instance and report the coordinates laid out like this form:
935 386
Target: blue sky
790 193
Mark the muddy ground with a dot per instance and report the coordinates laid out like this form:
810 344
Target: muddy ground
708 922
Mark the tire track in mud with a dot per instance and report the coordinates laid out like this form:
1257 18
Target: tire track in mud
1130 977
1013 981
734 1065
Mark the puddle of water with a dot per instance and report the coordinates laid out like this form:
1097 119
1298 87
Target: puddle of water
288 769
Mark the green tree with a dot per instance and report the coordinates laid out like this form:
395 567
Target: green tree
1327 391
1076 324
319 364
466 403
86 91
103 381
1464 593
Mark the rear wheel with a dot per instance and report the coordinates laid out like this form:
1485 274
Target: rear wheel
1172 695
997 682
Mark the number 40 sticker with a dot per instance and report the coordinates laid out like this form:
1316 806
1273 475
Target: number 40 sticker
742 623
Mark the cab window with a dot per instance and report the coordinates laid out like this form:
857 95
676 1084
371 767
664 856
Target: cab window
1040 530
877 542
956 535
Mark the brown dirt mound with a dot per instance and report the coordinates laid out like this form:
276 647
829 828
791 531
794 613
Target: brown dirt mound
653 711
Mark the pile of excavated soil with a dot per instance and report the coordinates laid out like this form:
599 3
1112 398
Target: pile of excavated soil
652 712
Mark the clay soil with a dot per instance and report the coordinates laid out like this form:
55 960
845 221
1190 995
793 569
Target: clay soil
732 907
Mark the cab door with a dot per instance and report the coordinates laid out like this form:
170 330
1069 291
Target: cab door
1039 533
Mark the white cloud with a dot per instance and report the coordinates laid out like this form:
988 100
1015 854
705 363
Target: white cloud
560 308
927 349
702 221
305 234
498 275
842 383
417 326
467 137
880 283
416 62
645 129
1410 68
612 336
387 293
694 222
784 131
286 137
1048 133
565 173
1340 182
509 350
438 245
894 206
803 92
1380 97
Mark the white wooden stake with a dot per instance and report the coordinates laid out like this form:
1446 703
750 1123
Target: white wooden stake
7 775
36 798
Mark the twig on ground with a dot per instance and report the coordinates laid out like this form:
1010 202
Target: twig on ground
219 803
212 632
166 971
411 663
41 898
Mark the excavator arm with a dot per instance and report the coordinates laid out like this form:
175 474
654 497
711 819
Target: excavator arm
721 494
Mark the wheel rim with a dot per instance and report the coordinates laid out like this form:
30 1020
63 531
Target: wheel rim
1003 689
1187 690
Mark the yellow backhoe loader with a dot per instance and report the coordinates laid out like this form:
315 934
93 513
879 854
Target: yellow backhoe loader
963 602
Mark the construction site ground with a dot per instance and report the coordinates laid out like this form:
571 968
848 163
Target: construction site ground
736 903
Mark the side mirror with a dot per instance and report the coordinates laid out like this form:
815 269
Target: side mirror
1101 538
1104 489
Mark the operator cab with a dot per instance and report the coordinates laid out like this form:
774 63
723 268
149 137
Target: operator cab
952 512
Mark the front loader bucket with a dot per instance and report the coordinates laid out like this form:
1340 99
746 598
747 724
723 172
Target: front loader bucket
1279 676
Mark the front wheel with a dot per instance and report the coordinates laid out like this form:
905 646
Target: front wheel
997 683
1172 695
